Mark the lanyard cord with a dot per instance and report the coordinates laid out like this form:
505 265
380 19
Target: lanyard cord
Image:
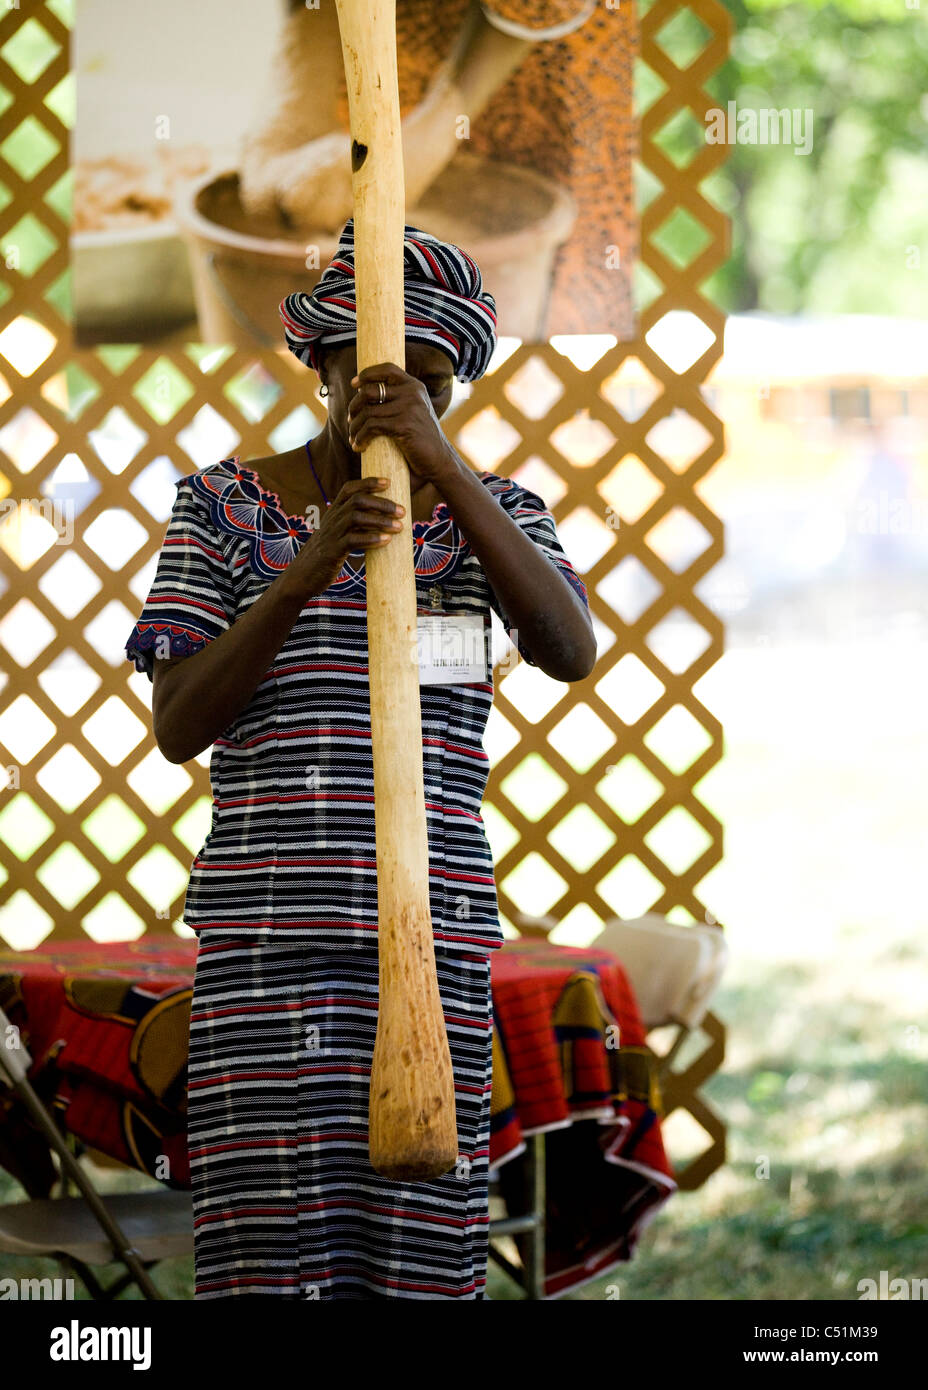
316 476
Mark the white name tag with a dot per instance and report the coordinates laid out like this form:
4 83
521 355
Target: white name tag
451 649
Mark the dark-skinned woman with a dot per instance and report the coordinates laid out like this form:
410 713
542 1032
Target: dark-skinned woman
255 636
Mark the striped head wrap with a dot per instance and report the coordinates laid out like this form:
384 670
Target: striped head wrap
445 304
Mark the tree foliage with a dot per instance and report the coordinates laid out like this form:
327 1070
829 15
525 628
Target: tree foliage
842 228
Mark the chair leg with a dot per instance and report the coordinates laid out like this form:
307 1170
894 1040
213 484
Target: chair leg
122 1248
532 1243
102 1293
527 1227
516 1274
127 1278
84 1273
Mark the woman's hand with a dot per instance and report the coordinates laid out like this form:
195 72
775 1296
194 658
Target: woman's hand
196 697
356 520
406 416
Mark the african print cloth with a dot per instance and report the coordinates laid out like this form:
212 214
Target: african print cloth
106 1027
108 1030
570 1060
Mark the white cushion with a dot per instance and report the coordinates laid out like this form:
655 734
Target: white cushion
673 970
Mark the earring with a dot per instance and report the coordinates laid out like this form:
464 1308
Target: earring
323 390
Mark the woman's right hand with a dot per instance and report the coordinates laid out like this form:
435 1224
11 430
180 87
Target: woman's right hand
356 520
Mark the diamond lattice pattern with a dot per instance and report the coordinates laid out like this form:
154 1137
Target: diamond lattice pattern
592 805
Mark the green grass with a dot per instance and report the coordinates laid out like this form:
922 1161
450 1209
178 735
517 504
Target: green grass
822 794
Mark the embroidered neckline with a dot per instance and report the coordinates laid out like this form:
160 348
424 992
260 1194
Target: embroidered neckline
274 497
242 506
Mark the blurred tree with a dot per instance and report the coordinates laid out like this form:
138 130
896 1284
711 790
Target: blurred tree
841 229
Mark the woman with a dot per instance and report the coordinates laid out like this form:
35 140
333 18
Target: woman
254 634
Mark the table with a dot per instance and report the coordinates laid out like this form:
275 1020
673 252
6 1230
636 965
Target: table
107 1027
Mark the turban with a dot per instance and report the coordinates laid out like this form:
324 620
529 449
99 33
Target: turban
445 304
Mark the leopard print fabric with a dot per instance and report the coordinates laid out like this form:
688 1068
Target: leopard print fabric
566 112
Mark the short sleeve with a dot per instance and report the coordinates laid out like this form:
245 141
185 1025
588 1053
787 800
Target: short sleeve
530 512
538 19
191 600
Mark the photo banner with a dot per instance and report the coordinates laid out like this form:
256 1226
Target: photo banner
212 160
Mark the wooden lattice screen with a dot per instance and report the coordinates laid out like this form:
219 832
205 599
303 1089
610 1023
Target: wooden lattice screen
97 831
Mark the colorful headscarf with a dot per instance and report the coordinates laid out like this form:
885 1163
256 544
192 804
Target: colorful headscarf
445 304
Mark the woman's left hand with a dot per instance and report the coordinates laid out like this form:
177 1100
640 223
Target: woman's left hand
406 416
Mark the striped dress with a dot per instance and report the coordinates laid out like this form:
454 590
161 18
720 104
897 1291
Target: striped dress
283 899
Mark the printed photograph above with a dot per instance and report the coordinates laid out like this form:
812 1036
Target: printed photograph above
212 163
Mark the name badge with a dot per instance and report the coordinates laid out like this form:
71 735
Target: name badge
451 649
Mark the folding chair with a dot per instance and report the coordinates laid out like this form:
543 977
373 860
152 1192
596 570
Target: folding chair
136 1229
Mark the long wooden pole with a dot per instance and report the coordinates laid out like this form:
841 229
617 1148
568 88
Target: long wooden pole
412 1123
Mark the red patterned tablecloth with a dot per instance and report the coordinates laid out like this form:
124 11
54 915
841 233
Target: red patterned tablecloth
570 1059
107 1027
